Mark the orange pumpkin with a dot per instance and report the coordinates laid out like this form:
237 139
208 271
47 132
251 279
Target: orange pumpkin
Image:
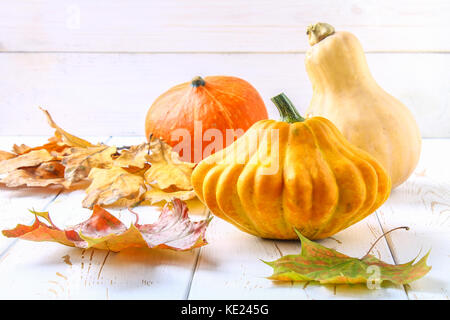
204 109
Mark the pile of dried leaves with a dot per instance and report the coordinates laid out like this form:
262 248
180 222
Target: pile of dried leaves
125 176
118 176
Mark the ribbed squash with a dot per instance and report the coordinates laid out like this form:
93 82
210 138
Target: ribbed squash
309 177
345 92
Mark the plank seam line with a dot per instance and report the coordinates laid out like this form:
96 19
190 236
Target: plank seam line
195 266
391 251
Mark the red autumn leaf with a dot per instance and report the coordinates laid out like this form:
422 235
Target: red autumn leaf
173 230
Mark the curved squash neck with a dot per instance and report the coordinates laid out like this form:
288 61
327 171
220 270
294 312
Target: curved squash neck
337 78
338 62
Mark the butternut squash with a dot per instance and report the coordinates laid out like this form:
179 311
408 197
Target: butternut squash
345 92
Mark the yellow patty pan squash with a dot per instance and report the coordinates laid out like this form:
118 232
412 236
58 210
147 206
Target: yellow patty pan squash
294 173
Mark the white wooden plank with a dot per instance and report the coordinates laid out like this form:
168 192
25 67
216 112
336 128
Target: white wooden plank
46 270
217 26
109 94
230 267
423 204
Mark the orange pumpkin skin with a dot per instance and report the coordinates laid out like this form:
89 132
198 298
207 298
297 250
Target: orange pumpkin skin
323 183
215 102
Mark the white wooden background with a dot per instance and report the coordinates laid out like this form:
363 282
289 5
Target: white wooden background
98 65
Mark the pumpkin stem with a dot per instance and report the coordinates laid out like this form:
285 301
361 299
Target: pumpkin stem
197 82
286 109
319 31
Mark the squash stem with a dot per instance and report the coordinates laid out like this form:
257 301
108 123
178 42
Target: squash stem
197 82
286 109
319 31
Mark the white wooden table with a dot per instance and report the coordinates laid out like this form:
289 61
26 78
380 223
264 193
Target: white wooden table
229 266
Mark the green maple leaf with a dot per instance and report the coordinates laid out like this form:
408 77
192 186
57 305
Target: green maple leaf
327 266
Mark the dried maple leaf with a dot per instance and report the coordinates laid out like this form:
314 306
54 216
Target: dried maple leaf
108 186
27 177
39 231
136 170
4 155
328 266
57 144
120 178
47 173
79 161
63 136
21 149
30 159
55 148
42 166
135 156
173 230
23 171
49 170
155 195
167 169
